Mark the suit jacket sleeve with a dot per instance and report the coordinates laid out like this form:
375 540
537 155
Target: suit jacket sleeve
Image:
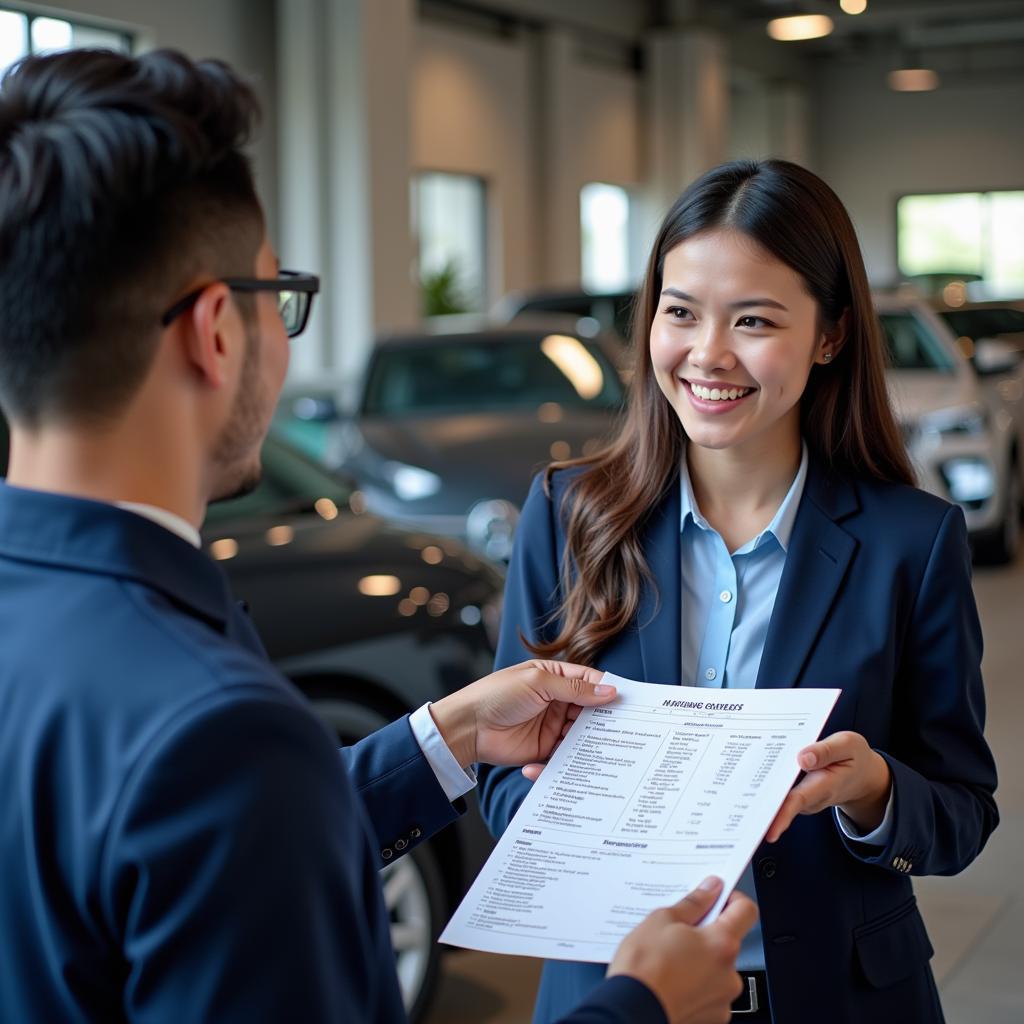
943 774
238 878
618 1000
405 802
531 594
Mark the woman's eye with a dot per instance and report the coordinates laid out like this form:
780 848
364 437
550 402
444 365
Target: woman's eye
755 322
679 312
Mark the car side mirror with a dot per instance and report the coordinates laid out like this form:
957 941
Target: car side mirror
993 357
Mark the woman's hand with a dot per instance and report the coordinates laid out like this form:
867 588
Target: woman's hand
844 772
519 715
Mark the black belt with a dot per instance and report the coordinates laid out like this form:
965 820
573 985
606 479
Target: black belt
752 1005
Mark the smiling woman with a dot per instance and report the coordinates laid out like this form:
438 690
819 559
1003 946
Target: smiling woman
753 524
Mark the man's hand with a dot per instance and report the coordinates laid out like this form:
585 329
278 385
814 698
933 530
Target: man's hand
691 970
844 772
517 715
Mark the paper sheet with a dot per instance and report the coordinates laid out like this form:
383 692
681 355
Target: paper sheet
643 799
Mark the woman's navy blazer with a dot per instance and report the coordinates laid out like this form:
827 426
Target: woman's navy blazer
875 600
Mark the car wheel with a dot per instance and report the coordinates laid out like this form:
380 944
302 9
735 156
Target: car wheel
1001 545
414 894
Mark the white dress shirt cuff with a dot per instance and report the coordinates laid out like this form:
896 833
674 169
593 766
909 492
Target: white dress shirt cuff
877 837
454 780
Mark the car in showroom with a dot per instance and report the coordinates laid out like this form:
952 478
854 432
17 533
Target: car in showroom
966 441
981 323
369 621
451 427
610 311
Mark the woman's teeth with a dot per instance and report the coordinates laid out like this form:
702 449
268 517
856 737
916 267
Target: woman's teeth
719 394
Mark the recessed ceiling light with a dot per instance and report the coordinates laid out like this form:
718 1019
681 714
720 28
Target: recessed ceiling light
913 80
800 26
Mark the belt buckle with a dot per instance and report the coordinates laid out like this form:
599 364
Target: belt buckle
754 1005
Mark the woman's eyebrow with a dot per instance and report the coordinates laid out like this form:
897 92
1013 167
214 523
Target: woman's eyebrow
740 304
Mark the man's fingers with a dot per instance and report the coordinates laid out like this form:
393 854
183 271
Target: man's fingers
837 747
739 915
571 670
532 771
696 903
587 690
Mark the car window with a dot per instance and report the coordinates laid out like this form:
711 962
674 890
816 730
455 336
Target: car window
291 482
465 375
614 312
912 346
985 323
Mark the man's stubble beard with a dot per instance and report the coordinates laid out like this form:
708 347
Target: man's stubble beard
236 453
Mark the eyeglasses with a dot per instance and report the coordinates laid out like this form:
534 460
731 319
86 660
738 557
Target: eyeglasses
295 293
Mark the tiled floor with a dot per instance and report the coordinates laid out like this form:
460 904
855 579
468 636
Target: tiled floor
976 920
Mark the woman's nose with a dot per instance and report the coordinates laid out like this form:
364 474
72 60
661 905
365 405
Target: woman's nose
712 349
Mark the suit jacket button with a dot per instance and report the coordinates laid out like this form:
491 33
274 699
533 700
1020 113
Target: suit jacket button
387 853
401 844
415 833
767 868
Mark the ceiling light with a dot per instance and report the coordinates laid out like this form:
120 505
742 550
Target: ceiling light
853 6
800 26
913 80
379 586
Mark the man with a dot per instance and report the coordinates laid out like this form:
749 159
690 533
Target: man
180 840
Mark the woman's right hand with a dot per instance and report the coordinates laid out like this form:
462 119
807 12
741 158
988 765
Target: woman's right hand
691 970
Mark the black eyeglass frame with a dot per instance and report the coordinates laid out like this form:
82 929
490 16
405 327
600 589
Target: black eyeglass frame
286 281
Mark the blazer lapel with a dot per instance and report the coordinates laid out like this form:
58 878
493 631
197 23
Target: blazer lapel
658 617
819 553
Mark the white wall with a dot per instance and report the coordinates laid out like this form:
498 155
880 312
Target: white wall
873 145
240 32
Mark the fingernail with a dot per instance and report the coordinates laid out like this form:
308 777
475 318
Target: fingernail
710 884
600 689
808 760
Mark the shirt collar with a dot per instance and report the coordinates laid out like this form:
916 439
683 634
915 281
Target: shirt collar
162 517
781 526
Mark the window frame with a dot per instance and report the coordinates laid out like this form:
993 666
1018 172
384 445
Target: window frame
30 16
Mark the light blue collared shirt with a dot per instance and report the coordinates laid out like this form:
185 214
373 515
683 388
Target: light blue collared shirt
727 602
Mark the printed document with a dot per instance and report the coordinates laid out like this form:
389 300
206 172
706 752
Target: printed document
643 799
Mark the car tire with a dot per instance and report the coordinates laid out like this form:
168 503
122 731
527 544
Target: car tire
414 894
1002 545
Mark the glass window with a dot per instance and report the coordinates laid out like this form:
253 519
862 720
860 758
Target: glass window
517 372
22 33
974 234
912 346
604 235
449 214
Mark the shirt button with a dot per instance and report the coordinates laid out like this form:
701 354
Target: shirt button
725 596
711 674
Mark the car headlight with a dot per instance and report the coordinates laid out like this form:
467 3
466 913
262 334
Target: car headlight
970 481
411 483
490 526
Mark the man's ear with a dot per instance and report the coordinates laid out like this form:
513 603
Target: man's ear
210 325
833 339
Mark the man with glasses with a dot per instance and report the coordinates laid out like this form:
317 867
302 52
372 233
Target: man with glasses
180 840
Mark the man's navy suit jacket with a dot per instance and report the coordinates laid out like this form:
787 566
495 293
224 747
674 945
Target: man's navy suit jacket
179 839
875 599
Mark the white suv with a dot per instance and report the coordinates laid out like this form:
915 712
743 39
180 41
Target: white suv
965 440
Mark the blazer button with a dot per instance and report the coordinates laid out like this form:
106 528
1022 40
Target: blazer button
767 868
415 833
401 844
387 853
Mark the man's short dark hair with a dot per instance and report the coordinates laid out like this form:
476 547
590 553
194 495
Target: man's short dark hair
121 179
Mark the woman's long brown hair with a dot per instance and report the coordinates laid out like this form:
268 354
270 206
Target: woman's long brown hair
846 418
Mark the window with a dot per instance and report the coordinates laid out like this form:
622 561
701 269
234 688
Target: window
975 235
449 215
22 33
604 232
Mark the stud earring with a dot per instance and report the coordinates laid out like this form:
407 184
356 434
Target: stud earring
827 357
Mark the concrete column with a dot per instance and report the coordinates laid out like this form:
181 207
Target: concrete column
789 119
344 86
561 178
688 113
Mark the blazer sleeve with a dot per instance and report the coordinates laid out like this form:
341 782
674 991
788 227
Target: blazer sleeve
943 773
403 798
239 878
531 595
618 1000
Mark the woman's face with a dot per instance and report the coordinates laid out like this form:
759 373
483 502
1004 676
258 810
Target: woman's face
733 342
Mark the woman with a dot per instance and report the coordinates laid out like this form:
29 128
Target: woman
756 523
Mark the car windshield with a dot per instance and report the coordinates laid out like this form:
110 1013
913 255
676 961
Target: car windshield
467 375
989 322
291 483
912 346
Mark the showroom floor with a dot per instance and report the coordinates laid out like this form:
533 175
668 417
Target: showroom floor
976 920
